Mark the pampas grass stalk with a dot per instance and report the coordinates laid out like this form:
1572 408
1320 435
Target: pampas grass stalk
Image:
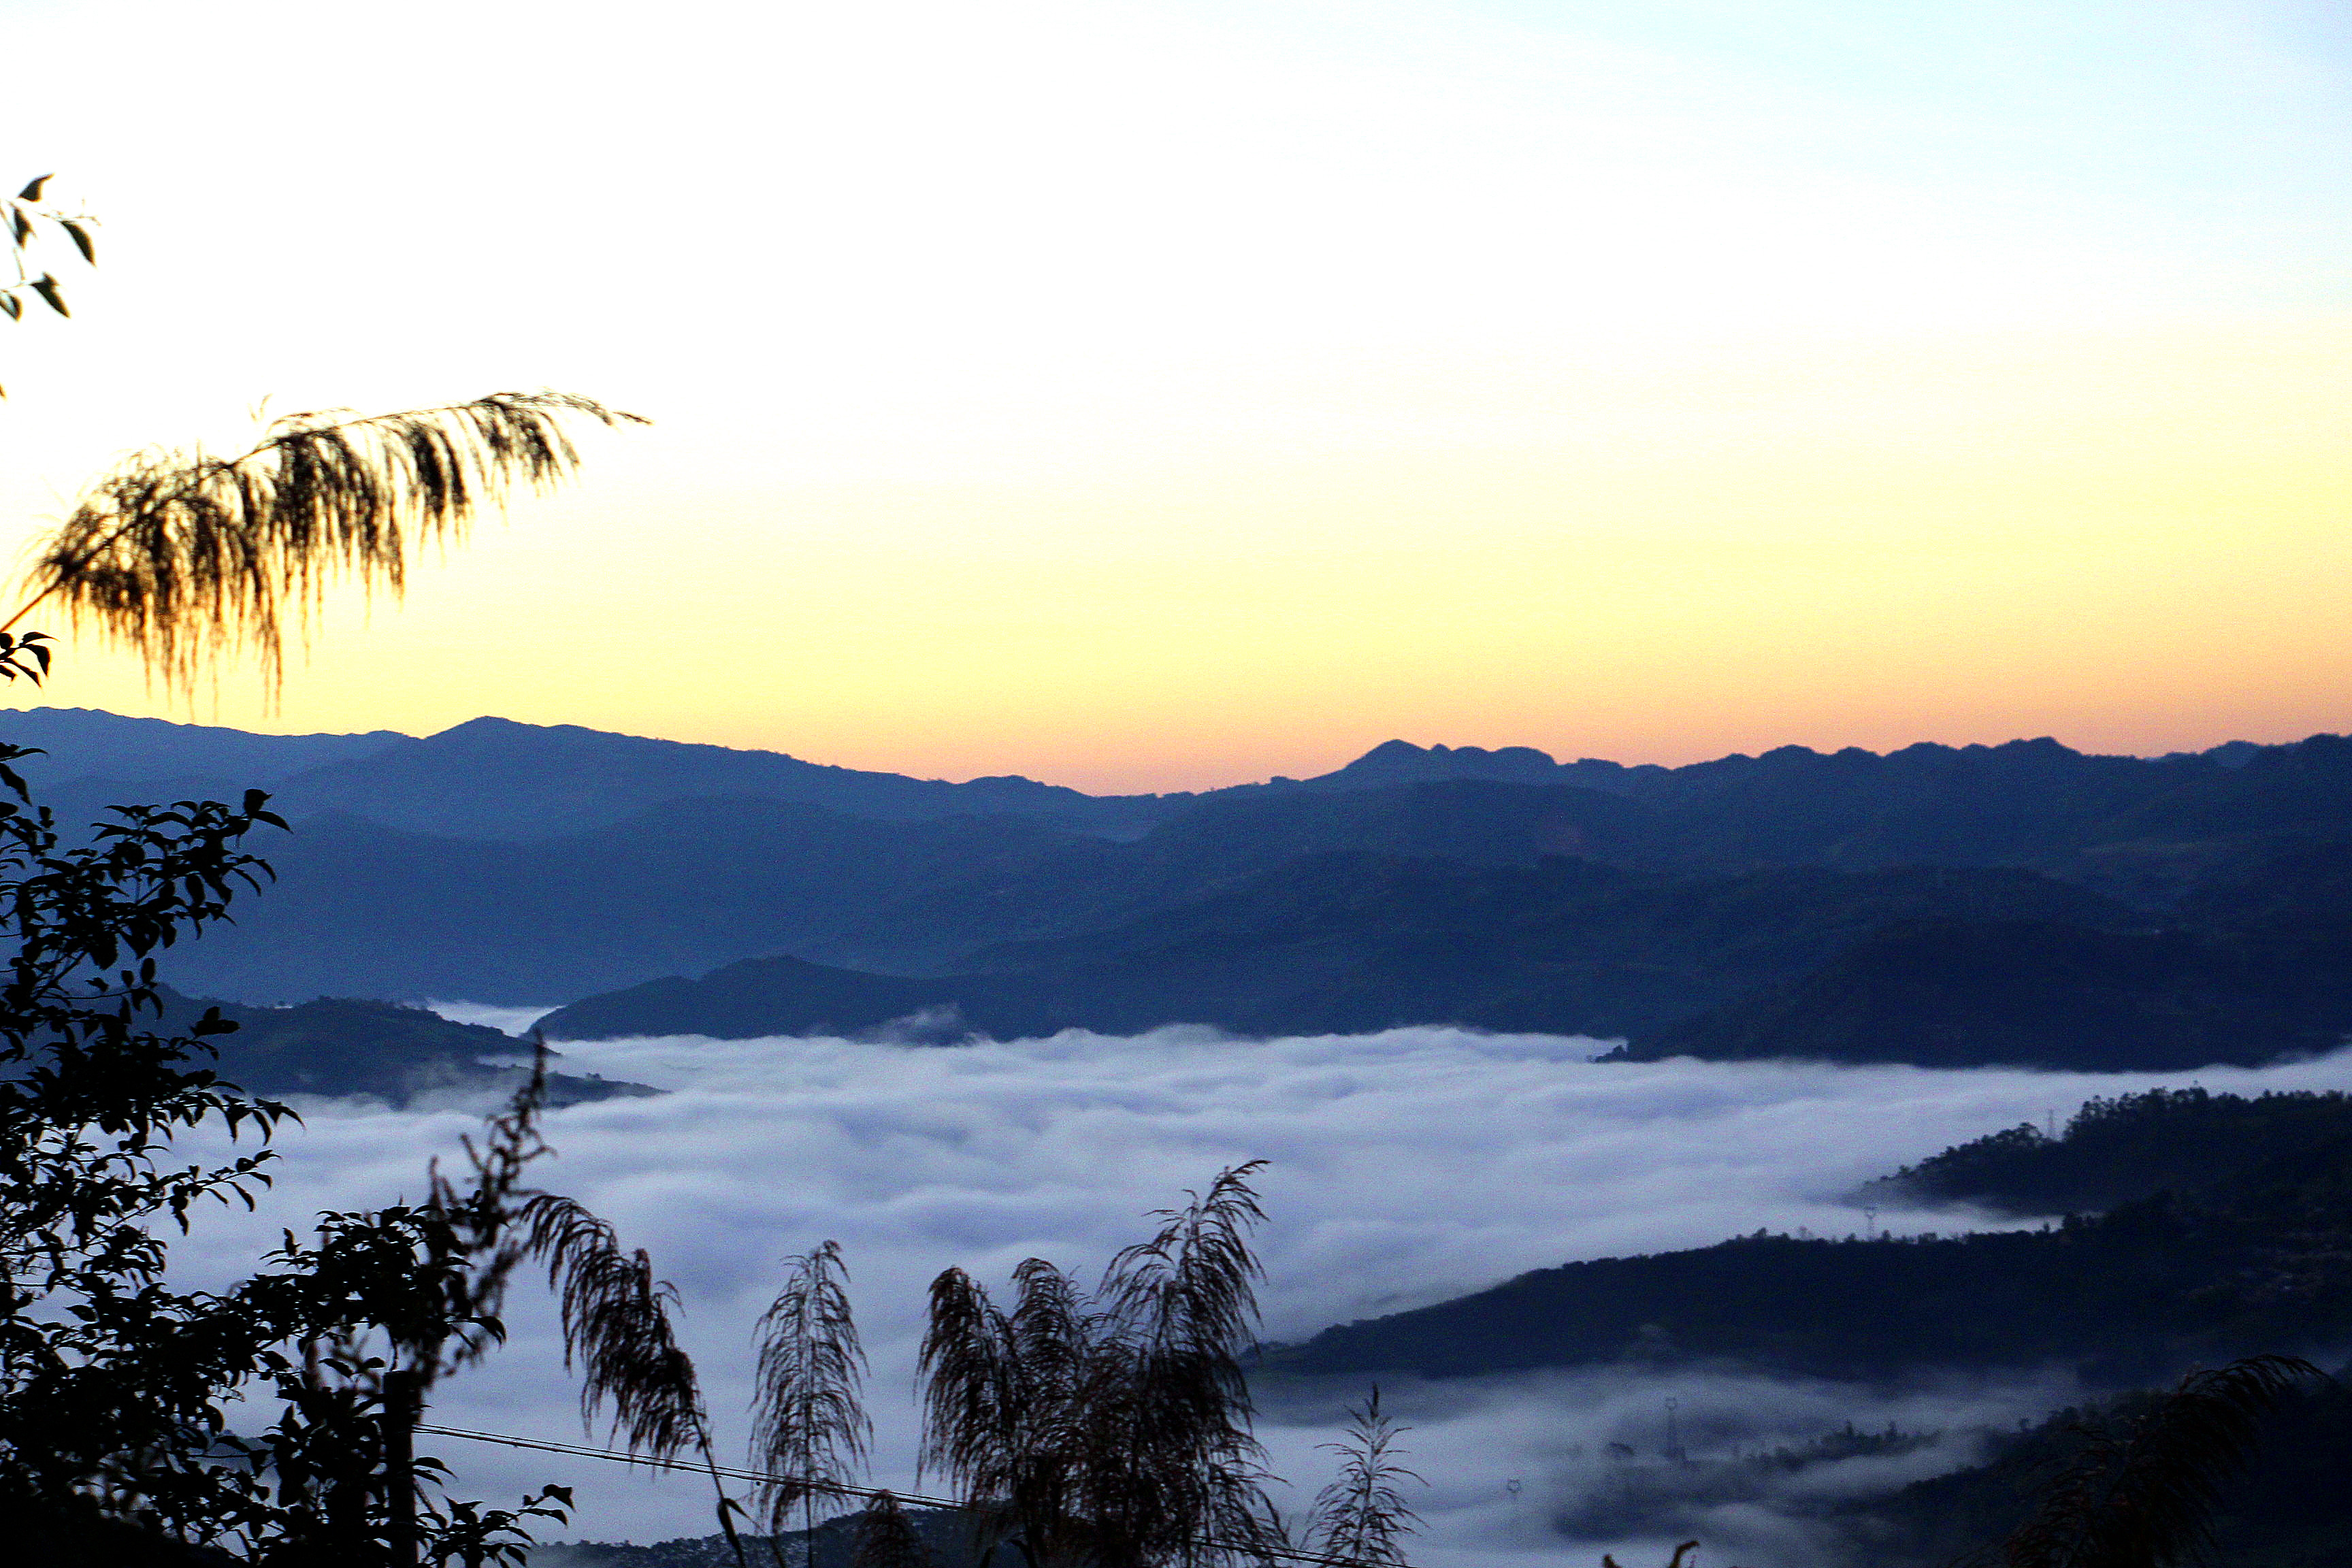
809 1423
185 557
1362 1517
1107 1429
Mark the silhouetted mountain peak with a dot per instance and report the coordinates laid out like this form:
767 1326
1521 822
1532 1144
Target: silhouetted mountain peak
1402 762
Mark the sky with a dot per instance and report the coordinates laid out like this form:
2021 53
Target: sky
1161 394
1403 1168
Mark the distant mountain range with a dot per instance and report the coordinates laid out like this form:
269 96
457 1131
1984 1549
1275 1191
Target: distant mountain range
495 779
2015 903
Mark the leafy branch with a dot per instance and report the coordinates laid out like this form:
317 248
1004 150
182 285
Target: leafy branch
24 218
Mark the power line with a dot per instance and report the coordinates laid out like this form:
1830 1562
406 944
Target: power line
841 1489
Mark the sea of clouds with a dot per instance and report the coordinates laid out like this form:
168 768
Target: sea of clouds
1403 1167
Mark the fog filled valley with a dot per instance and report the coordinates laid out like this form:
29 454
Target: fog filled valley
1405 1169
1723 1153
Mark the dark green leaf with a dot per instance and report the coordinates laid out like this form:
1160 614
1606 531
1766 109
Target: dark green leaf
32 193
47 288
13 305
80 237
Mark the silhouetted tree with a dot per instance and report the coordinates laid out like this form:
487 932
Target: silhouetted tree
114 1386
2142 1496
1111 1428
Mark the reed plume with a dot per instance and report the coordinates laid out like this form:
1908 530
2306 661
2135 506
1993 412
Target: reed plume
1362 1517
1110 1428
616 1327
810 1429
185 557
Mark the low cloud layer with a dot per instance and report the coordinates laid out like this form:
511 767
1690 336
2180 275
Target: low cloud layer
1404 1167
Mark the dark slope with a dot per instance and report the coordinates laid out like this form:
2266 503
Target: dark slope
2254 963
2287 1509
2300 888
2134 826
948 1537
1394 763
341 1046
2040 994
2120 1150
2026 801
761 996
88 743
363 909
2291 1507
2305 788
493 778
697 884
2114 1297
1216 843
2256 1257
1348 942
1155 909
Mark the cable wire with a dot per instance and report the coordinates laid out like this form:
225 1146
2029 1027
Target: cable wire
838 1488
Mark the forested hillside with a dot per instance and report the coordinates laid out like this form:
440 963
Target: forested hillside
2285 1511
1352 942
2253 1254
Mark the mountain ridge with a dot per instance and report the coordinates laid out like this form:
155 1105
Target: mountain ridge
396 778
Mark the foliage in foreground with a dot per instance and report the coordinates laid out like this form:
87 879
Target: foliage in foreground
116 1385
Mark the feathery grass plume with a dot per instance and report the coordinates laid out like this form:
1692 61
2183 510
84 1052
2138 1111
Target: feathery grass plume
616 1327
2143 1497
998 1397
810 1429
1362 1517
185 557
1112 1429
886 1538
1184 1312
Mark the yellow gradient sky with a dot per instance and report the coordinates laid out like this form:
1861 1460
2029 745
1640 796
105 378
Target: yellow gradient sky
1159 396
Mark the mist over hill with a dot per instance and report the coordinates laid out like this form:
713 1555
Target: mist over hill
2220 1229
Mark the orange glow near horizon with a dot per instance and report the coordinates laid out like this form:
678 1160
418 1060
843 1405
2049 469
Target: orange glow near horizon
2152 554
1159 396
